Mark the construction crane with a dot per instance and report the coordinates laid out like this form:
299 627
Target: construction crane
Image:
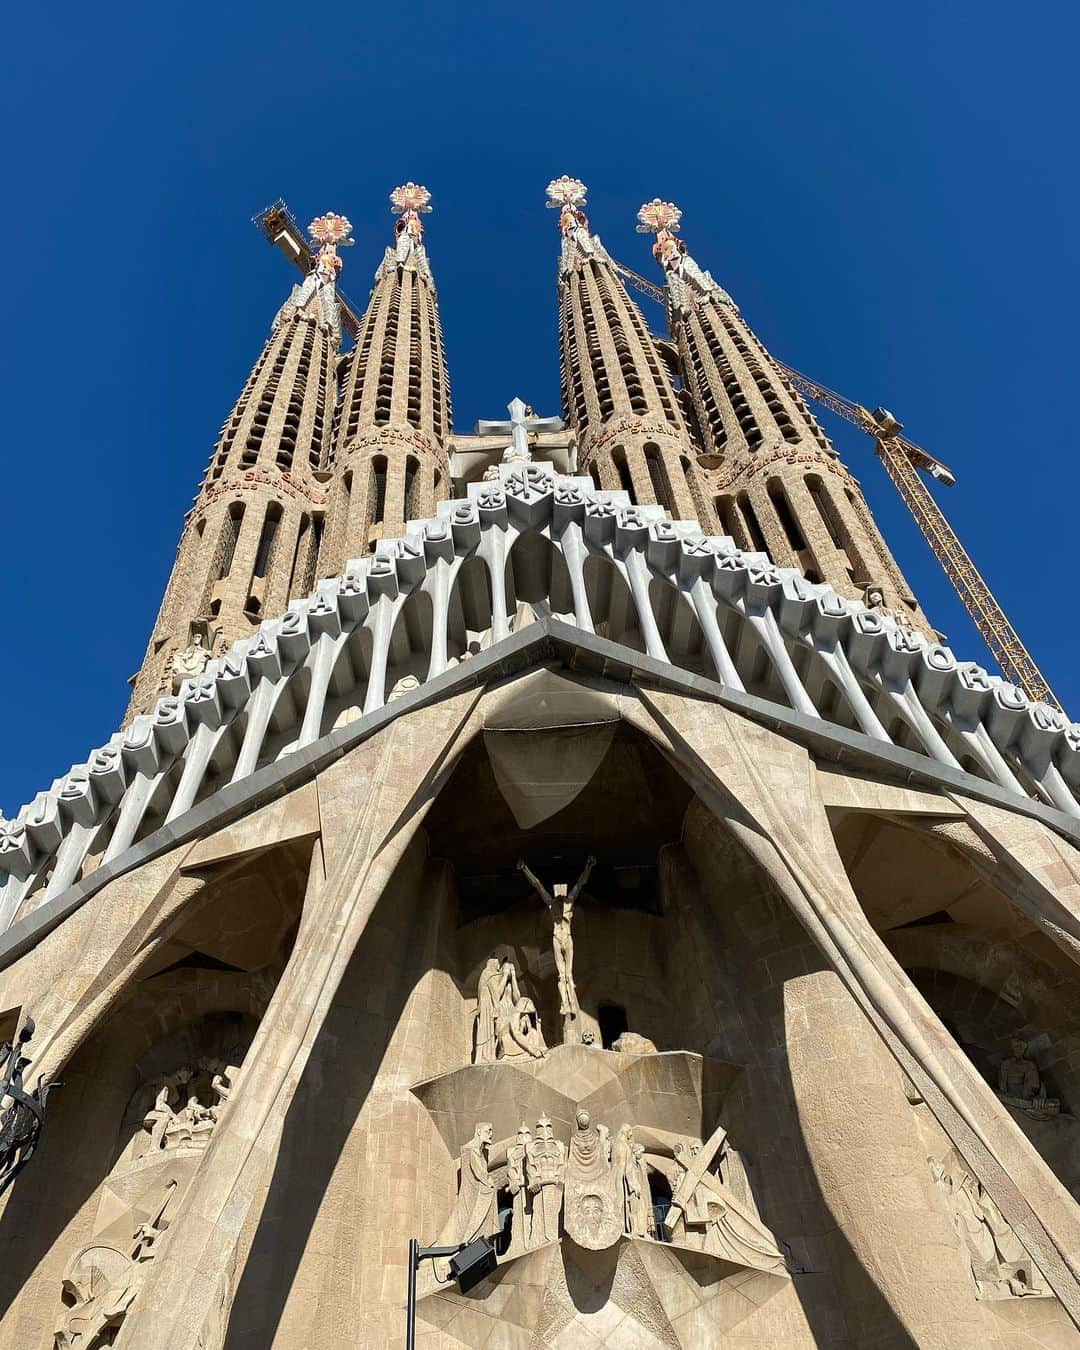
903 460
280 227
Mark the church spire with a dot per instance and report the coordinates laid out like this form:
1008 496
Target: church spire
318 290
250 542
776 481
408 202
394 416
619 392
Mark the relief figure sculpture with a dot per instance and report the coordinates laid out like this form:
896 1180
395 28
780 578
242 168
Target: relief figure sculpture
1000 1264
640 1221
1019 1084
561 907
191 1125
521 1220
705 1213
101 1283
546 1171
593 1214
507 1023
476 1212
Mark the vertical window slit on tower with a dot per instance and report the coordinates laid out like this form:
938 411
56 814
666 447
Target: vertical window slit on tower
230 533
378 489
729 521
442 404
385 390
307 581
712 419
732 388
657 476
622 468
825 509
412 467
786 515
415 362
267 539
296 587
596 360
757 534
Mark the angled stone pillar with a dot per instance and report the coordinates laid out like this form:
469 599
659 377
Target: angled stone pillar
390 779
1037 869
765 788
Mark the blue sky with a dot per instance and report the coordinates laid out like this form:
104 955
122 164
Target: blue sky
889 192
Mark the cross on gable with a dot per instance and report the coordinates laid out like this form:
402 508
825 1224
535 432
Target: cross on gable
522 421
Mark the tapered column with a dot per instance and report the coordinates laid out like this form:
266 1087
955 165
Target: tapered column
251 540
619 393
765 788
394 420
198 1257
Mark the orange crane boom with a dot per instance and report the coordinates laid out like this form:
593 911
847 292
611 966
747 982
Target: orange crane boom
903 459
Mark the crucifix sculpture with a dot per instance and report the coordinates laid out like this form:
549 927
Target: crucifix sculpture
561 907
522 421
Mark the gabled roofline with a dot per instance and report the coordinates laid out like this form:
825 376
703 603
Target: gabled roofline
541 643
692 601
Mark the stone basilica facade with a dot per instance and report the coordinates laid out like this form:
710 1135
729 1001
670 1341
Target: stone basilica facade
571 834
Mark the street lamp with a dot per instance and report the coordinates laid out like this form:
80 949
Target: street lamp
469 1263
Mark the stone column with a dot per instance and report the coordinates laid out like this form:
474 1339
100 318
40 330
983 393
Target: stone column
765 788
199 1255
873 1174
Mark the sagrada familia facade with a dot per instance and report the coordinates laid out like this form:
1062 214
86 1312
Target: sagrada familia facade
569 843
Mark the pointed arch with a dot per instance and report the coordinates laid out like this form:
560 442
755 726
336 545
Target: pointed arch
536 572
469 615
348 681
410 641
679 628
611 604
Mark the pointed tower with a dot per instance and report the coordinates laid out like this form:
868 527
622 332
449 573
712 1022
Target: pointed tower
776 481
394 416
618 388
251 541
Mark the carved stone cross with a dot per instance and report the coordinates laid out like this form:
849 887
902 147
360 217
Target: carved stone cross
522 421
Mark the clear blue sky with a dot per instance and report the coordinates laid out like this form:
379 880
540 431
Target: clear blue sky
888 191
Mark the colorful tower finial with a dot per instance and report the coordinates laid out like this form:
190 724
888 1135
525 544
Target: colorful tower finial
567 196
656 215
331 232
408 201
566 191
662 219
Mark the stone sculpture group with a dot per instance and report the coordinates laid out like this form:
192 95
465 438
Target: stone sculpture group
561 907
598 1188
191 1125
101 1282
1000 1266
507 1023
1020 1086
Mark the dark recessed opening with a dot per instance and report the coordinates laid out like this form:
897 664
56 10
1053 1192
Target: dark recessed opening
613 1022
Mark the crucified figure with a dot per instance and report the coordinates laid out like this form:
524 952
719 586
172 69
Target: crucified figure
561 905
